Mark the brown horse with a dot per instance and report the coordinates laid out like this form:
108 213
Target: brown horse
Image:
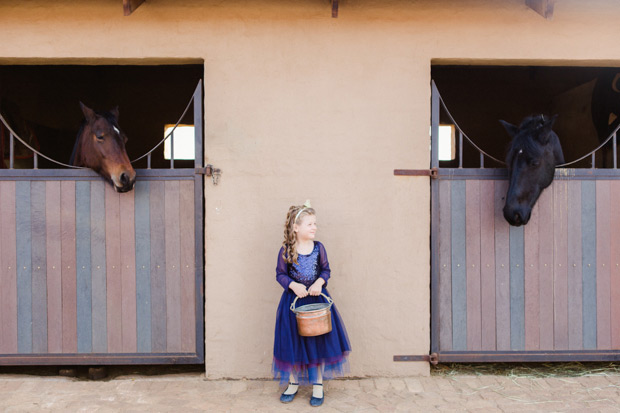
100 145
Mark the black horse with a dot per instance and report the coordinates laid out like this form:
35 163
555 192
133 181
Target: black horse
533 154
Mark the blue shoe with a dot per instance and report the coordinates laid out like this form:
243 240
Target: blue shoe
316 401
287 398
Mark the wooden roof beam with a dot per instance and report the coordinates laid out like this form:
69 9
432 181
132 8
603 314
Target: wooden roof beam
334 8
129 6
542 7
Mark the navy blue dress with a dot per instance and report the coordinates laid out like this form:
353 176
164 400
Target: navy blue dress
292 352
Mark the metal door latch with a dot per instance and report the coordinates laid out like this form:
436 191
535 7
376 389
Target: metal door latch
209 170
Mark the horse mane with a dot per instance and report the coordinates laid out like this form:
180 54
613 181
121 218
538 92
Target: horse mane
525 140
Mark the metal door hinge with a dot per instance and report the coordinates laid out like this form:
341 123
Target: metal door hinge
432 358
209 170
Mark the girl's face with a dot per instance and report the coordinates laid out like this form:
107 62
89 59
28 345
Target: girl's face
306 229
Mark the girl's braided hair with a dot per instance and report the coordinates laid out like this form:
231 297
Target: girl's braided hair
294 216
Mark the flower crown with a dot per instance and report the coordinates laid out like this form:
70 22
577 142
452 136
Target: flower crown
305 206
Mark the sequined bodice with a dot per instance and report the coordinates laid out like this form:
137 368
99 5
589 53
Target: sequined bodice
306 271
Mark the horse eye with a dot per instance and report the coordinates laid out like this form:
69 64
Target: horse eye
100 137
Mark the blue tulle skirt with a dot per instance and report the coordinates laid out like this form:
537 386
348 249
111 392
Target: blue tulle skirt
306 356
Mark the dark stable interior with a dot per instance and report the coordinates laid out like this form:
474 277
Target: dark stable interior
46 98
586 100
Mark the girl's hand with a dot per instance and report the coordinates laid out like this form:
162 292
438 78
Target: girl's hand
316 287
299 289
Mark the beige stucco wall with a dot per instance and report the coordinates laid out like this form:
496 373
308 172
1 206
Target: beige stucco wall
299 105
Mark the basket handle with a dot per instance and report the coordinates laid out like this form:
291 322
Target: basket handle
329 301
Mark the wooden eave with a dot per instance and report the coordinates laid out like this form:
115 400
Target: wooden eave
542 7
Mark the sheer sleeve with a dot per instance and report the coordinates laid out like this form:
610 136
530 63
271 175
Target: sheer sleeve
282 271
324 264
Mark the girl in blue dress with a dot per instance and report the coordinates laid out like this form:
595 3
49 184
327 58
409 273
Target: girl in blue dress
303 272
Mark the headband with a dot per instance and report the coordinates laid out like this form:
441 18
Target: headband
305 206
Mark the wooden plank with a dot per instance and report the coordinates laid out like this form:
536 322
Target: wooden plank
98 263
24 267
545 254
54 262
128 271
69 283
472 236
615 264
84 270
459 273
502 269
574 249
113 261
173 262
589 249
39 282
560 271
487 264
8 269
143 266
532 282
188 270
158 268
517 289
603 261
445 267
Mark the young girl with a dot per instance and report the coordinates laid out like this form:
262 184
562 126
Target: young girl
303 271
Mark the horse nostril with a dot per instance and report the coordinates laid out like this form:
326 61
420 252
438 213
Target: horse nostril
518 219
124 178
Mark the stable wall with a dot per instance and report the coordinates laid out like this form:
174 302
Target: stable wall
299 105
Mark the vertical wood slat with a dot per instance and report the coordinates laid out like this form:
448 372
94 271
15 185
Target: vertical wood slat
615 265
128 270
83 267
487 264
173 273
188 270
113 271
589 253
502 270
603 255
8 269
158 268
574 251
24 263
54 262
39 282
545 243
445 267
459 274
98 265
560 271
517 289
143 266
531 281
472 240
69 285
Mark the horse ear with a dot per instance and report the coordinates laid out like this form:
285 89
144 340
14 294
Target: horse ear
510 128
88 112
545 132
114 112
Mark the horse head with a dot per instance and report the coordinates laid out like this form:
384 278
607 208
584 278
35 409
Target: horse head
532 157
100 145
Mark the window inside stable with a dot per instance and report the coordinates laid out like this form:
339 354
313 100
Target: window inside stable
586 100
46 99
